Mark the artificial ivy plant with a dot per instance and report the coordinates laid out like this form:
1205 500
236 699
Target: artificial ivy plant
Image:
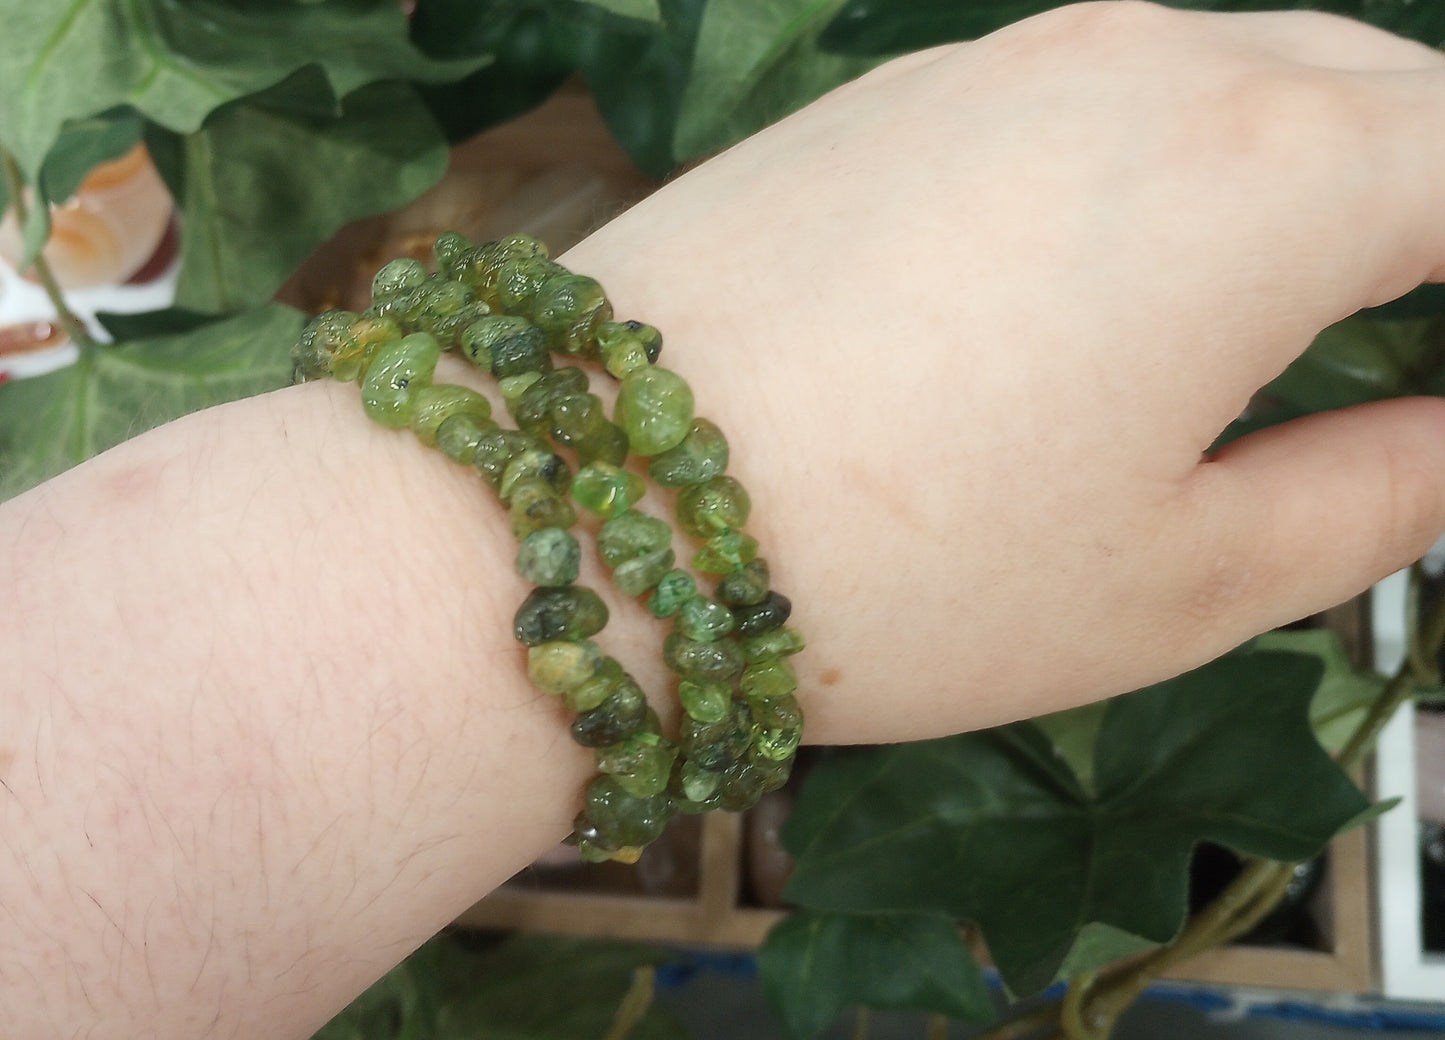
1066 841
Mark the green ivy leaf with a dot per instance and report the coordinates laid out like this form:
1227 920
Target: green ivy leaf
83 145
994 827
262 186
640 10
755 61
813 965
51 422
1074 733
1358 360
176 63
1345 692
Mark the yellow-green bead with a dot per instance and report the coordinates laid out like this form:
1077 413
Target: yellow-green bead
568 308
459 436
775 642
642 764
396 279
627 345
622 714
608 679
435 404
519 280
640 575
631 534
701 455
506 345
768 679
536 461
562 666
715 507
673 589
397 371
654 407
702 662
705 701
704 619
726 552
605 489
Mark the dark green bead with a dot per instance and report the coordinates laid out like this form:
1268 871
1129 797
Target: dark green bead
704 619
435 404
533 408
719 505
654 408
622 820
506 345
578 421
557 613
631 534
562 666
745 586
622 714
716 745
642 764
674 589
772 773
702 662
398 278
741 787
605 489
397 371
535 462
640 575
702 455
536 504
781 712
568 308
459 436
726 552
496 448
705 701
513 387
449 308
768 680
775 642
608 680
760 617
449 249
549 557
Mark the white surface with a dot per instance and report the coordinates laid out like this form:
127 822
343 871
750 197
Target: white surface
1406 970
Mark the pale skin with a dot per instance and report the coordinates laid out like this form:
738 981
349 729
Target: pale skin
970 325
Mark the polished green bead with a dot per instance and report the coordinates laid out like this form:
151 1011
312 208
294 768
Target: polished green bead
449 249
622 714
533 407
704 619
535 461
626 345
496 448
513 387
775 642
745 586
519 243
705 701
536 504
640 575
726 552
519 280
459 436
780 712
620 820
768 680
719 505
777 742
771 613
330 347
654 407
435 404
448 309
701 455
702 662
642 764
741 787
609 679
562 666
556 613
674 589
605 489
370 332
568 308
714 745
506 345
772 773
698 784
549 557
397 371
631 534
398 278
579 421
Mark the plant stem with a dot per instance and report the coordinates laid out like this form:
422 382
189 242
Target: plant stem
635 1003
937 1027
74 327
860 1024
1071 1011
1025 1025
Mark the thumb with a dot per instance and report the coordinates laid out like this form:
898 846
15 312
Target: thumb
1302 516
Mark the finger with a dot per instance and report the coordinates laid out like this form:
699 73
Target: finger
1327 41
1299 517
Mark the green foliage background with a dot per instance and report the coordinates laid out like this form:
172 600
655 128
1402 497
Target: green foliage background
1066 839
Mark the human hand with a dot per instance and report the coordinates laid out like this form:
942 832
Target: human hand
980 314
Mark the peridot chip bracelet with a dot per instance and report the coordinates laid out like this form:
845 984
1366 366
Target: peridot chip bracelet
508 308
